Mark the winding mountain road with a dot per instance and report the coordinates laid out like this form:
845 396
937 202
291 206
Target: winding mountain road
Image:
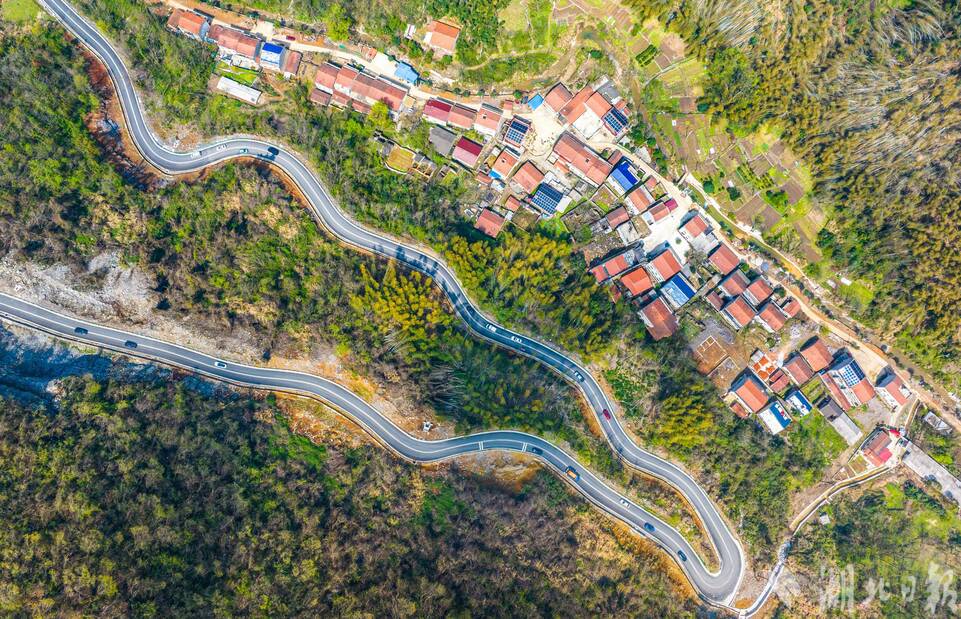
718 587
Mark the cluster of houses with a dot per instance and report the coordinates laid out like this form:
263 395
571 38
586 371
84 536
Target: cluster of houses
766 389
348 86
237 48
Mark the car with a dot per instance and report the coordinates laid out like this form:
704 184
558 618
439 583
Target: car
648 527
221 147
273 151
196 155
516 339
492 328
572 473
130 344
537 450
681 554
243 151
606 413
291 37
220 364
579 377
625 503
80 331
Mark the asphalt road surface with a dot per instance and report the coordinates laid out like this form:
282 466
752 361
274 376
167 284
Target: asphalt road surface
718 587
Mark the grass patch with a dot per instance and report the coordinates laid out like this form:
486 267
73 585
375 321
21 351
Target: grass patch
247 77
858 294
19 11
554 227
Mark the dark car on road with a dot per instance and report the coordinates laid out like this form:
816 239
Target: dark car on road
607 414
130 344
681 554
80 331
537 450
648 527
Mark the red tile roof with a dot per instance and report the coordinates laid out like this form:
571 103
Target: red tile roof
512 204
715 300
740 311
671 204
659 319
617 217
666 264
319 97
437 109
817 355
557 97
442 36
772 316
651 183
798 369
575 107
739 410
640 198
864 391
488 118
598 104
778 381
637 281
292 61
836 393
326 76
581 157
893 387
751 392
695 226
758 291
658 212
734 284
528 177
724 260
467 151
489 222
876 449
187 21
461 116
610 267
505 163
234 40
340 99
791 307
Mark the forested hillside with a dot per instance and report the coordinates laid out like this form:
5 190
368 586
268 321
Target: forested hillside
143 499
869 94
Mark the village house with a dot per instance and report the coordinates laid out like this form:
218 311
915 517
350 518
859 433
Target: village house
527 178
189 23
758 292
750 391
489 222
774 417
488 119
240 48
817 355
770 316
738 312
517 132
839 420
637 282
659 319
664 266
466 152
892 390
581 159
442 140
441 37
798 369
848 377
353 85
734 284
613 266
678 291
639 199
505 162
725 260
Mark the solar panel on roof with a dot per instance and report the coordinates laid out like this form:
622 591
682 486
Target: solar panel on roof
616 120
547 198
516 131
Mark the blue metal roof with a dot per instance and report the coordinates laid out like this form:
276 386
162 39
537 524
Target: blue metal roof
780 414
272 48
800 403
406 72
547 198
624 175
678 290
535 101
